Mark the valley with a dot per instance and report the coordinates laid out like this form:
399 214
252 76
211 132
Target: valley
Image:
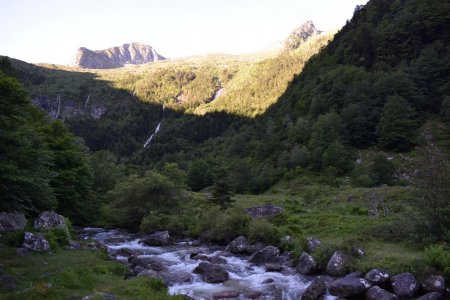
302 172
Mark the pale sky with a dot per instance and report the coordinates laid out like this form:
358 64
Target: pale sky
51 31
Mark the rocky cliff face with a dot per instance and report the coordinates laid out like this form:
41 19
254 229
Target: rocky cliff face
116 57
300 35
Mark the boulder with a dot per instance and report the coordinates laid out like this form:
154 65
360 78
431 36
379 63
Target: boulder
434 283
49 220
377 277
272 267
12 221
252 295
217 260
306 264
349 287
315 290
265 211
268 281
404 285
431 296
21 252
337 264
35 242
358 252
377 293
225 295
147 273
312 244
211 273
149 262
267 254
253 248
73 245
172 278
201 257
356 274
238 245
158 238
286 259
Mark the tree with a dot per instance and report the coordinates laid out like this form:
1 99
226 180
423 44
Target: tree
199 175
25 159
221 194
339 157
382 170
326 130
106 171
397 129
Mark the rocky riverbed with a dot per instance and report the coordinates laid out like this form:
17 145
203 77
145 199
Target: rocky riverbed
203 271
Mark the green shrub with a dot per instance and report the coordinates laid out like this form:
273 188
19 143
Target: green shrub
438 257
260 230
229 225
322 255
110 268
13 238
57 238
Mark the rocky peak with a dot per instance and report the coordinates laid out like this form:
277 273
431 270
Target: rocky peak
300 35
116 57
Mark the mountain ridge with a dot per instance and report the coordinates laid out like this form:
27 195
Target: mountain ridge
116 57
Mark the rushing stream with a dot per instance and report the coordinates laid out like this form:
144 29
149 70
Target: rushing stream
177 262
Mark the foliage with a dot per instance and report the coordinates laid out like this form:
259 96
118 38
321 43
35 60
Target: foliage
382 170
199 175
261 230
221 190
438 257
397 129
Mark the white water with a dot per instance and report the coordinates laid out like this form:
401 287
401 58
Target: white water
59 107
244 277
158 127
218 92
87 100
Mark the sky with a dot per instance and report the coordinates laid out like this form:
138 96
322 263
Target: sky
50 31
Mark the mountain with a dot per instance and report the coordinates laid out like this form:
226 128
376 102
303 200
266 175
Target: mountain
300 35
116 57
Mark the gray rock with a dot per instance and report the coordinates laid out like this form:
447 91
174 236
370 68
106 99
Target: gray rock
201 257
211 273
151 263
357 274
312 244
148 274
431 296
377 277
337 264
300 35
158 238
217 260
35 242
271 267
434 283
12 221
116 57
21 252
315 290
252 295
49 220
265 211
171 278
225 295
306 264
286 259
377 293
8 282
268 281
268 254
253 248
73 245
358 252
100 295
238 245
349 287
404 285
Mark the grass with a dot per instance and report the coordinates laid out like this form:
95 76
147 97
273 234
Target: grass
72 275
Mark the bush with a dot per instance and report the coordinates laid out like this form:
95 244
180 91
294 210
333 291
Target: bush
229 225
438 257
13 238
57 237
260 230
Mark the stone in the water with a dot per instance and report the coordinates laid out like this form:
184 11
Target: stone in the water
225 295
12 221
316 289
312 244
349 287
377 277
268 254
431 296
238 245
404 285
211 273
217 260
49 220
268 281
252 295
434 283
253 248
377 293
337 264
265 211
35 242
159 238
306 264
271 267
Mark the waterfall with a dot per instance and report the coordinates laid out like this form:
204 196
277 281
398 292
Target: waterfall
87 100
158 127
59 107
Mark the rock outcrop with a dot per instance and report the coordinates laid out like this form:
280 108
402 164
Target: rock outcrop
49 220
116 57
300 35
266 211
35 242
